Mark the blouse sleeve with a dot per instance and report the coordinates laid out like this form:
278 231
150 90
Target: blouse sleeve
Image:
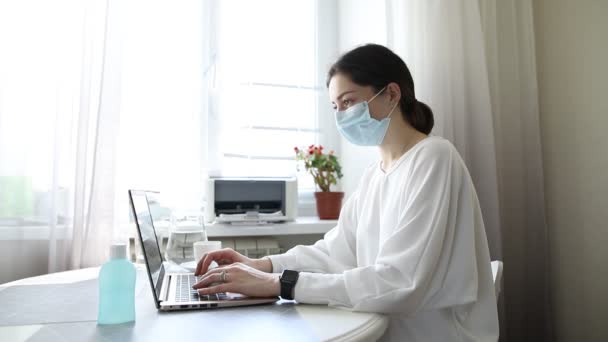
334 253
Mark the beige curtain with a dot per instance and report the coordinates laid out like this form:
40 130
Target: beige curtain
473 62
511 59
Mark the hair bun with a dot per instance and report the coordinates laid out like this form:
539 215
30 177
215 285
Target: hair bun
423 119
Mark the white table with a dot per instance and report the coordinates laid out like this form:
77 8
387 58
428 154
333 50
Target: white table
283 321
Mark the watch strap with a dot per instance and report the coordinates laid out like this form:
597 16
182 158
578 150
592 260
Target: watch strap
288 281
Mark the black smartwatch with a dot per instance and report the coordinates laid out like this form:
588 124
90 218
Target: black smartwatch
288 280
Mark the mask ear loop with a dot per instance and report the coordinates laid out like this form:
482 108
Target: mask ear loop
392 110
378 93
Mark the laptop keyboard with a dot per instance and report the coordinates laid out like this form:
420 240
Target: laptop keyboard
185 292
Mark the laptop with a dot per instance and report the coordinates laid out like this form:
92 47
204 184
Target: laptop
173 291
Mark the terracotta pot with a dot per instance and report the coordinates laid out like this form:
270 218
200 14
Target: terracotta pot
329 204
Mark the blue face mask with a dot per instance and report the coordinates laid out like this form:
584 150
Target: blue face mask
357 125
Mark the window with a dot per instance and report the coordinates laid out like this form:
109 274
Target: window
264 80
159 136
207 88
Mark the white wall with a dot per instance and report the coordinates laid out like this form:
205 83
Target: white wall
22 259
572 64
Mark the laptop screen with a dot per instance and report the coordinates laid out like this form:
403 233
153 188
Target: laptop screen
149 242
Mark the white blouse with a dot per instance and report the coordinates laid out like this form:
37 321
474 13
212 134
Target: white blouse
410 243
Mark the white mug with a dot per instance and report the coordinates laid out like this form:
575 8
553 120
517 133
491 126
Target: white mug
203 247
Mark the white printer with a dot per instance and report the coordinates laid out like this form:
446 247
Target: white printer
251 200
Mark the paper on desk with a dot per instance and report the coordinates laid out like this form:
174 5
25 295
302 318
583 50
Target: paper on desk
249 216
59 278
75 302
19 333
56 303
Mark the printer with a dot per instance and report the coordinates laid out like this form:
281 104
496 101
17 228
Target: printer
251 200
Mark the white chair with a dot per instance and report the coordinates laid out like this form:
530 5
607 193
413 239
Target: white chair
497 275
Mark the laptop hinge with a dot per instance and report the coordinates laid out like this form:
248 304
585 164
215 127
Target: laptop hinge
164 290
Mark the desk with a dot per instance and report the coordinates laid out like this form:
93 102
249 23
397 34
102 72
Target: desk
282 321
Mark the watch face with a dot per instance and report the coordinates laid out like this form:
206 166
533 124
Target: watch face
289 276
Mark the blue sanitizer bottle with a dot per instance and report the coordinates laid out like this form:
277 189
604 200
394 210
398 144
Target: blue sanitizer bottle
117 288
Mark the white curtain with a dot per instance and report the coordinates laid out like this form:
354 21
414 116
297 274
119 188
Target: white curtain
442 43
96 97
96 125
59 99
473 62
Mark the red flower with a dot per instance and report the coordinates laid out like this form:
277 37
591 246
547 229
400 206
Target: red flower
325 168
296 149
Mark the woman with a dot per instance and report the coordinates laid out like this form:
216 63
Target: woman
410 242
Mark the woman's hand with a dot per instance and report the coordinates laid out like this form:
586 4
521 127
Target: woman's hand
239 278
228 256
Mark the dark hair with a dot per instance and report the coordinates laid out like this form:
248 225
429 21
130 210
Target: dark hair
377 66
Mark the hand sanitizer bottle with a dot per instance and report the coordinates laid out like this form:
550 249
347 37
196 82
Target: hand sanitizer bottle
117 288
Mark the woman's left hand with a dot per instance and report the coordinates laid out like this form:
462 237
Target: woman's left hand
239 278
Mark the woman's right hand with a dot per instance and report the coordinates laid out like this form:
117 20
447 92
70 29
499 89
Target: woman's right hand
229 256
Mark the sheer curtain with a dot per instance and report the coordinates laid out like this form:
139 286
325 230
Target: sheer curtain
94 133
96 97
58 115
473 62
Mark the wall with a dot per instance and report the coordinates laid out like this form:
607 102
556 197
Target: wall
22 259
572 55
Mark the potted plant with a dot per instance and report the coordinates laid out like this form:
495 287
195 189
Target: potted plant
325 170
